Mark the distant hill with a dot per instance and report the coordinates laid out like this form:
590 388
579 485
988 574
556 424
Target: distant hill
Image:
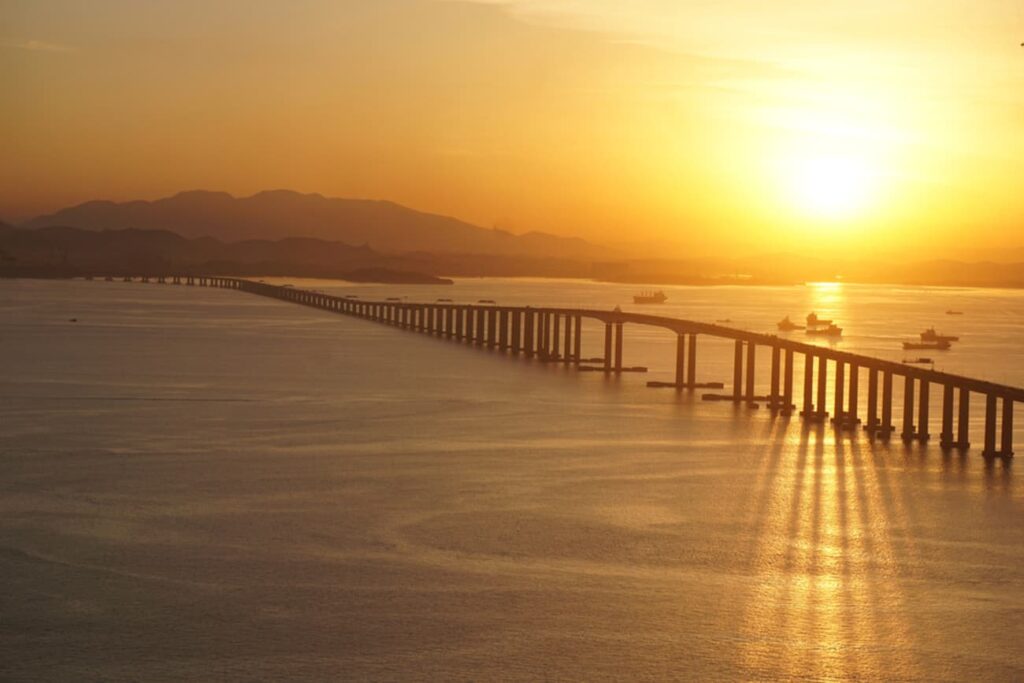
68 252
382 225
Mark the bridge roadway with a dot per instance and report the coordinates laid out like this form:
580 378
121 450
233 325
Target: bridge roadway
537 333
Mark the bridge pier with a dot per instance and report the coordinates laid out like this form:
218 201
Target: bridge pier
808 410
577 339
886 428
774 399
1006 428
480 337
492 328
1007 441
908 409
528 337
822 414
922 412
838 405
556 335
680 361
787 385
567 341
542 335
503 330
517 324
751 363
607 347
850 419
737 371
618 347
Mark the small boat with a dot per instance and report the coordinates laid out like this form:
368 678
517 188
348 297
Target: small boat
486 301
941 345
930 335
650 298
830 331
786 325
814 321
954 312
918 361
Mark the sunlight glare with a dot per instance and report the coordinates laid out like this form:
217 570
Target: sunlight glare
831 186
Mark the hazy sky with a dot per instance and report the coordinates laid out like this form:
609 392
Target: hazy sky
710 124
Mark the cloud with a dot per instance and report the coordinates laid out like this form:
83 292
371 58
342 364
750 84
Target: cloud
38 46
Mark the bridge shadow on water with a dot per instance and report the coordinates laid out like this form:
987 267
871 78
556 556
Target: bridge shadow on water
831 522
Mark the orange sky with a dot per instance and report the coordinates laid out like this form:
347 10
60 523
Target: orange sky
709 125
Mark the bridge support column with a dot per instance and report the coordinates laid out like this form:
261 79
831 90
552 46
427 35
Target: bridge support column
922 413
773 393
618 347
691 362
517 323
751 371
1007 440
886 429
607 347
567 341
479 314
808 410
680 361
492 327
787 384
851 419
963 420
503 330
737 371
542 335
822 414
990 426
908 409
946 436
528 320
577 339
556 335
838 409
872 422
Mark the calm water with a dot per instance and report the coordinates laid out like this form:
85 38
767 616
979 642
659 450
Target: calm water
205 484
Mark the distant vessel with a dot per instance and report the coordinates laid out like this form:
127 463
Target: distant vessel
954 312
814 321
919 361
830 331
486 301
930 335
650 298
938 345
786 325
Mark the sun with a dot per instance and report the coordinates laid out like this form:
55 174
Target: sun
831 186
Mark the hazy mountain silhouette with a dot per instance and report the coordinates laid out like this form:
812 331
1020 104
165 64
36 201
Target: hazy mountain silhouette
383 225
64 252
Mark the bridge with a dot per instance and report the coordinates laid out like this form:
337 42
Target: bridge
555 335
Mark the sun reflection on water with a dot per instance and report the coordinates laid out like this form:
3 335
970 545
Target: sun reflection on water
825 601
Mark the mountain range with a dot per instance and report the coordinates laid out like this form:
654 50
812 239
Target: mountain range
384 226
70 252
